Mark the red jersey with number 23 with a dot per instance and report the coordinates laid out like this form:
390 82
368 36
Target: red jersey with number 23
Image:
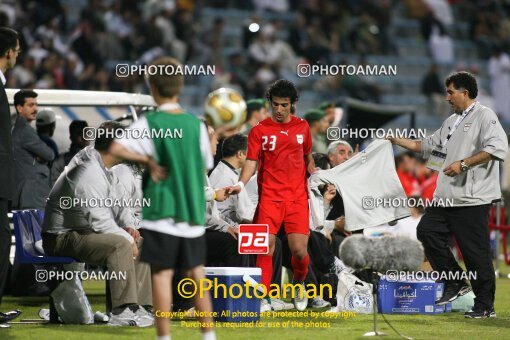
280 150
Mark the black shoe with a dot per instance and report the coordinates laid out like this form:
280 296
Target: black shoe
480 313
6 317
452 291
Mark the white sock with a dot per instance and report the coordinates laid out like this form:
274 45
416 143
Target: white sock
164 337
211 335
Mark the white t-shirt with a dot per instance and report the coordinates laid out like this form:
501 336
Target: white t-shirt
362 180
145 146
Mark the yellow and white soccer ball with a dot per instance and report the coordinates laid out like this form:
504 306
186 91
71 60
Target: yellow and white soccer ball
225 107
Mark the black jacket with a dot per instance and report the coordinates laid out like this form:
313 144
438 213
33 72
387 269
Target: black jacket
6 159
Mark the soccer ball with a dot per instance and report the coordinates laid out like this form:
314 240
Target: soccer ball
225 107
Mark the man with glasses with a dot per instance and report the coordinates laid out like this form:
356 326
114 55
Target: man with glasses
9 50
466 152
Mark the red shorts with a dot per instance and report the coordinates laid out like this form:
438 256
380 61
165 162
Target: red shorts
292 215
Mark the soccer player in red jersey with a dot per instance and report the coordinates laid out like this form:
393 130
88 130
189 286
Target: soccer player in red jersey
282 147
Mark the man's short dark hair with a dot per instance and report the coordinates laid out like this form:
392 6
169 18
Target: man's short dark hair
233 144
76 129
8 40
400 158
283 89
105 134
463 80
21 95
321 160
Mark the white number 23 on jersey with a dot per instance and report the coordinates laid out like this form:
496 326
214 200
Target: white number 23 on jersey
271 140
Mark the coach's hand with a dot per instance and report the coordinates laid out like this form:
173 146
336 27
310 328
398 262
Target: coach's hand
234 231
329 193
135 250
157 172
340 226
453 169
233 190
327 234
221 195
134 233
356 150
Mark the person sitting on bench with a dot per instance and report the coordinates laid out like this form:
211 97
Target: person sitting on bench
85 219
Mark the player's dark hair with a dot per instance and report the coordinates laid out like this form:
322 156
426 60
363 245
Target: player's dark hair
463 80
321 160
8 40
105 134
76 129
284 89
233 144
21 95
400 158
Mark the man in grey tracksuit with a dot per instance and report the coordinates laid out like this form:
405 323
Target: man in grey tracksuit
466 151
82 223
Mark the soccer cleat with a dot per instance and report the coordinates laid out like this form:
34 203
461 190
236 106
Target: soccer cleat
265 306
300 299
278 304
318 302
480 313
452 291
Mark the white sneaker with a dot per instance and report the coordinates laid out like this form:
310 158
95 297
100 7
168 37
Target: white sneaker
332 310
44 313
144 317
319 302
265 306
278 304
300 299
126 318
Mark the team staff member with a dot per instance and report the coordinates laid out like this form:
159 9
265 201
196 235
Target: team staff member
466 151
282 146
9 50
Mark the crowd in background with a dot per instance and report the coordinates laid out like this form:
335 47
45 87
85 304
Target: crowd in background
76 45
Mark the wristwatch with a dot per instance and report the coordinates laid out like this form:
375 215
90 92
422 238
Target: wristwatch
463 166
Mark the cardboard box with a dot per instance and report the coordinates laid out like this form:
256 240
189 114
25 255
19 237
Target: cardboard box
410 297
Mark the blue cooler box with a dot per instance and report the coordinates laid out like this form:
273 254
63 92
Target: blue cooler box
410 297
229 309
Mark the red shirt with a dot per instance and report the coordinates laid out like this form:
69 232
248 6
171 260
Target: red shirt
409 183
429 186
280 150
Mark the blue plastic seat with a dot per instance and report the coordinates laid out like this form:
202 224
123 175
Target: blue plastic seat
27 231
